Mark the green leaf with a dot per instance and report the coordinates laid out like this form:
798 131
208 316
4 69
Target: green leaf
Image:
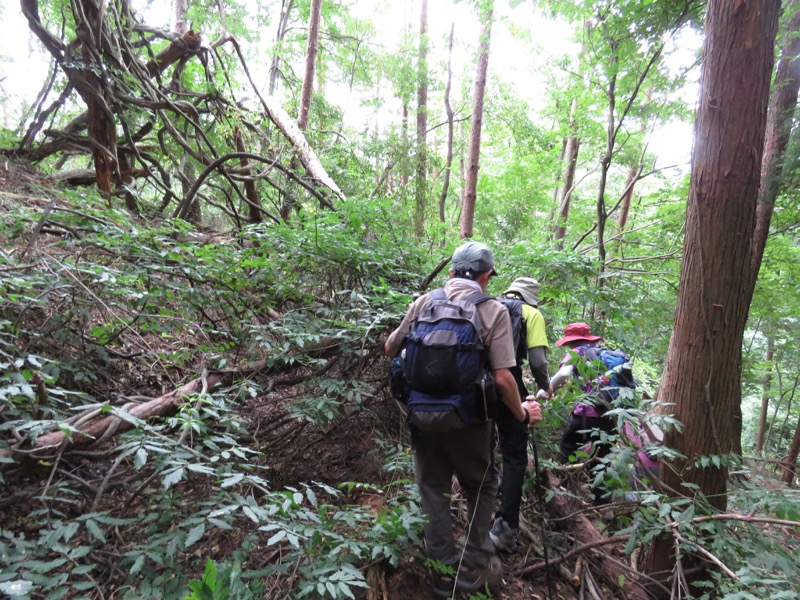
95 531
140 458
194 534
16 588
276 538
232 480
137 565
173 477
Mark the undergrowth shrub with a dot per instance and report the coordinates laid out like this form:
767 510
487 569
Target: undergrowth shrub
99 308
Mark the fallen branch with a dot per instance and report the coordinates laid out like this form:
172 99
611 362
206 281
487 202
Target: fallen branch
90 431
589 537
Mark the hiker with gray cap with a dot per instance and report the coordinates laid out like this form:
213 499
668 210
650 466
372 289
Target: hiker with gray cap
521 299
442 447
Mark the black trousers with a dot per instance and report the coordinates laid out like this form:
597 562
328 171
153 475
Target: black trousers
514 449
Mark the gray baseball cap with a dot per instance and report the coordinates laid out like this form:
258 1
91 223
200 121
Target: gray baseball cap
527 288
473 256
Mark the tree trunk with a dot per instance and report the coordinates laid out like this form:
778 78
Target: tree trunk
406 144
254 208
779 122
280 34
765 394
311 61
627 196
703 366
179 10
569 154
449 110
486 9
421 184
789 464
571 150
289 198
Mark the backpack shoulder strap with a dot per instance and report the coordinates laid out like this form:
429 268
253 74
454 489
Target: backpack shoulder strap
478 297
437 294
590 353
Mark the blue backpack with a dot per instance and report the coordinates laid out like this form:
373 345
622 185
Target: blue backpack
618 373
445 365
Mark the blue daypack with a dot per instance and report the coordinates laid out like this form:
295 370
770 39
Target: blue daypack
445 365
618 373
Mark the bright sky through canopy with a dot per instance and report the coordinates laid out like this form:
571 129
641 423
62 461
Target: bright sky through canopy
24 66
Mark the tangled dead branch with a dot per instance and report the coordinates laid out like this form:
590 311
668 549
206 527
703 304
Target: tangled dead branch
170 130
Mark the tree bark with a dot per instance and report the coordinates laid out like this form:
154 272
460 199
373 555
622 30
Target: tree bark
180 8
311 62
254 209
765 394
280 34
421 184
449 111
570 163
789 463
703 367
779 123
471 183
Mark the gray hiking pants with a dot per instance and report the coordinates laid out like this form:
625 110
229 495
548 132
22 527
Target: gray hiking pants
467 454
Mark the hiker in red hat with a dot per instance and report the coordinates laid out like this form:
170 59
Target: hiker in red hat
588 423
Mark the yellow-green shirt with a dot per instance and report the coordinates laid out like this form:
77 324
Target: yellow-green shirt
534 326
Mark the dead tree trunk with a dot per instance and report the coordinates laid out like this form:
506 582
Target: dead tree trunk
564 510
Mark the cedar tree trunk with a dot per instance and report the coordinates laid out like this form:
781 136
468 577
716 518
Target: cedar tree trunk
702 372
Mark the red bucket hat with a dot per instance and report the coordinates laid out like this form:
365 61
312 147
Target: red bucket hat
577 331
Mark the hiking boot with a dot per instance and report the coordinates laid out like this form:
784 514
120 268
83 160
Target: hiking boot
469 580
502 535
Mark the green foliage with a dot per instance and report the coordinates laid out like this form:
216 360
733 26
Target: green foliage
112 288
219 584
104 303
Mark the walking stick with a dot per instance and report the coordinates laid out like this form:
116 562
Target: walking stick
540 499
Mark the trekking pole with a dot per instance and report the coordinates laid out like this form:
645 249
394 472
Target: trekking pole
540 498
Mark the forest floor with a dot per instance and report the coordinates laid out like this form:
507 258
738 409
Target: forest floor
294 452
